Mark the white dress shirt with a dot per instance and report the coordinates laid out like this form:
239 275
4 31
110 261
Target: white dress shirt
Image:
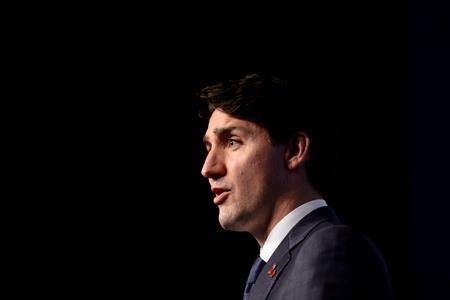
283 227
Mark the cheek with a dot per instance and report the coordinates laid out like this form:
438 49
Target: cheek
243 176
265 171
252 171
251 174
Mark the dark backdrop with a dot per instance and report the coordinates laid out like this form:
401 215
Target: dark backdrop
133 215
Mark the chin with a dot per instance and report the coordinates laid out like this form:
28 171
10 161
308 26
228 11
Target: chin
226 224
230 223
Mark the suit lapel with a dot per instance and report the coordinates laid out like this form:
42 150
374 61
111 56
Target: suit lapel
281 257
271 271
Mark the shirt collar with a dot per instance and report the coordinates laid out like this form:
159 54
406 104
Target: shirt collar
285 225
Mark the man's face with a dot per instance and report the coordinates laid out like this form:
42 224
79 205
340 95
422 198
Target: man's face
245 171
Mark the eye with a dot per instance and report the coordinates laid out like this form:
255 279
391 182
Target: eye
233 143
207 146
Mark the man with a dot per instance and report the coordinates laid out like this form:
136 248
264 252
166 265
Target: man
259 146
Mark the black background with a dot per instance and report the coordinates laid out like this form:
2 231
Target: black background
128 213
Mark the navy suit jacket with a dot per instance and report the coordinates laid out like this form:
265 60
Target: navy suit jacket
322 259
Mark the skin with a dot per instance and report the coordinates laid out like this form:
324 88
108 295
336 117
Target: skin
255 182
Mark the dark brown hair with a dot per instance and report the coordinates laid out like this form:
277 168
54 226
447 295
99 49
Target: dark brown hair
263 99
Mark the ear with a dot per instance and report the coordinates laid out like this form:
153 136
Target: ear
297 150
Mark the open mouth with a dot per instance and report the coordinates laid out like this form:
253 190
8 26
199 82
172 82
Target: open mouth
220 195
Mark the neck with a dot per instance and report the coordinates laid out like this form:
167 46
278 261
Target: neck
283 207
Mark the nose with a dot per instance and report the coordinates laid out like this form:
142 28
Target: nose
213 167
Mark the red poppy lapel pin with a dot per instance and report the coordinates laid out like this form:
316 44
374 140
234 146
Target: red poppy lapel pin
272 271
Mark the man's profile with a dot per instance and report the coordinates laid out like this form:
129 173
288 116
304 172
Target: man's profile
258 147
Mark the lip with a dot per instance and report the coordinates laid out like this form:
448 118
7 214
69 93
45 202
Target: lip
219 199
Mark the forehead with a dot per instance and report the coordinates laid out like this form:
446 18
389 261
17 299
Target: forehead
220 120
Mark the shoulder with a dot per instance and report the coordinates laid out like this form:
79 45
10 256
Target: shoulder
332 234
330 260
339 244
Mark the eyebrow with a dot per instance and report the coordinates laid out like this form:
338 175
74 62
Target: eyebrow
221 131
